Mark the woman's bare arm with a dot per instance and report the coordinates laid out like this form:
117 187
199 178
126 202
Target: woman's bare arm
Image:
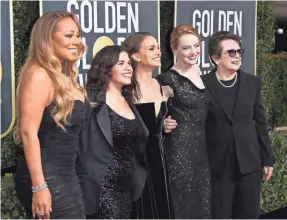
35 95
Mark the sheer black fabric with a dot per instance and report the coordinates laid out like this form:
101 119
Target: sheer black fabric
58 154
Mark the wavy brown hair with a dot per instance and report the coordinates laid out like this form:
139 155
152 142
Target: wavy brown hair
41 52
100 73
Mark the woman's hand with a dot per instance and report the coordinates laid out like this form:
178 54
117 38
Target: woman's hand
42 204
169 124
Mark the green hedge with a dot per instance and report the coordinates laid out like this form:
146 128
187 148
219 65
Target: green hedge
25 14
265 43
273 71
274 192
11 207
280 93
166 26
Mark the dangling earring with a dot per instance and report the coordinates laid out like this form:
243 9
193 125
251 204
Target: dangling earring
66 70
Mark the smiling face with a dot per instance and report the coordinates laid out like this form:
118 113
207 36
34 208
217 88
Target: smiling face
188 49
66 40
226 61
122 71
149 53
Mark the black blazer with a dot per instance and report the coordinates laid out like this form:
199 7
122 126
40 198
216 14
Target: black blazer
96 152
247 125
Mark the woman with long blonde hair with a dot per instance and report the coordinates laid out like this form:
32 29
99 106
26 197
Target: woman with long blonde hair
51 111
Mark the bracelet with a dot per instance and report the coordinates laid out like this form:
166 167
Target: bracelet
39 188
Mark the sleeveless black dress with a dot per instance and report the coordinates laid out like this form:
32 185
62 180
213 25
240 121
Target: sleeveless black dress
116 198
155 202
187 160
58 154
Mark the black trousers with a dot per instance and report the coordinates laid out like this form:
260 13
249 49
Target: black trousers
236 196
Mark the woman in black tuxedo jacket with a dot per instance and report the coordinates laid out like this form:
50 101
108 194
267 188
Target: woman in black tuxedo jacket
112 145
237 138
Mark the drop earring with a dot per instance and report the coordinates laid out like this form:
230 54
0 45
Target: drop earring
66 70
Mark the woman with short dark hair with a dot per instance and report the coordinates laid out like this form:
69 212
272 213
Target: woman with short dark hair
237 139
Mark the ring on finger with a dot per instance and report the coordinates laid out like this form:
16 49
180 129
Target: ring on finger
40 213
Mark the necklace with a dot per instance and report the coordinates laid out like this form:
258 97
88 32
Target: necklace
226 85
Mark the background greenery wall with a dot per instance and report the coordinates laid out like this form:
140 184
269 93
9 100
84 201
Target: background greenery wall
25 14
272 68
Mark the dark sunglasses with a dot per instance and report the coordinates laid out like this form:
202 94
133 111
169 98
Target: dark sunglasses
232 52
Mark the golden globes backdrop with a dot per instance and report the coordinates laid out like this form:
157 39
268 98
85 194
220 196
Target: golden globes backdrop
107 23
208 17
7 69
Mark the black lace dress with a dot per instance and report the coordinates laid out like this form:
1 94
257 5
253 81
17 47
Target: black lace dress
155 202
187 161
58 154
116 198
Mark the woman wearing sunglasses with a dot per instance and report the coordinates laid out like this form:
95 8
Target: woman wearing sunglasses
237 138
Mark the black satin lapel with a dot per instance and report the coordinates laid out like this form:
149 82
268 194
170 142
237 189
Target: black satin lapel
213 85
241 93
137 115
105 124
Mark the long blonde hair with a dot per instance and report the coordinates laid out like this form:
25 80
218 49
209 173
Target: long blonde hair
41 51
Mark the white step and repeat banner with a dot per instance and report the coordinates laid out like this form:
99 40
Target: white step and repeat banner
208 17
108 22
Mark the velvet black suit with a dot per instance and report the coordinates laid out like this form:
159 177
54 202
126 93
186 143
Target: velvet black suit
96 152
244 131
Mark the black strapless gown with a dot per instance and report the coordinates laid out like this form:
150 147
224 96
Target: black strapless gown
116 198
58 154
155 202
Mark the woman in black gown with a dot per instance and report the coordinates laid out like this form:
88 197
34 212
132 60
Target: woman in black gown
186 154
110 163
150 100
52 112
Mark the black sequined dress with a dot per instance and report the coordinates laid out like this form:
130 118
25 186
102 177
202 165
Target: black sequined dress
58 155
186 154
116 196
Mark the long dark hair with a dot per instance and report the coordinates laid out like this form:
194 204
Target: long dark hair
100 73
132 44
